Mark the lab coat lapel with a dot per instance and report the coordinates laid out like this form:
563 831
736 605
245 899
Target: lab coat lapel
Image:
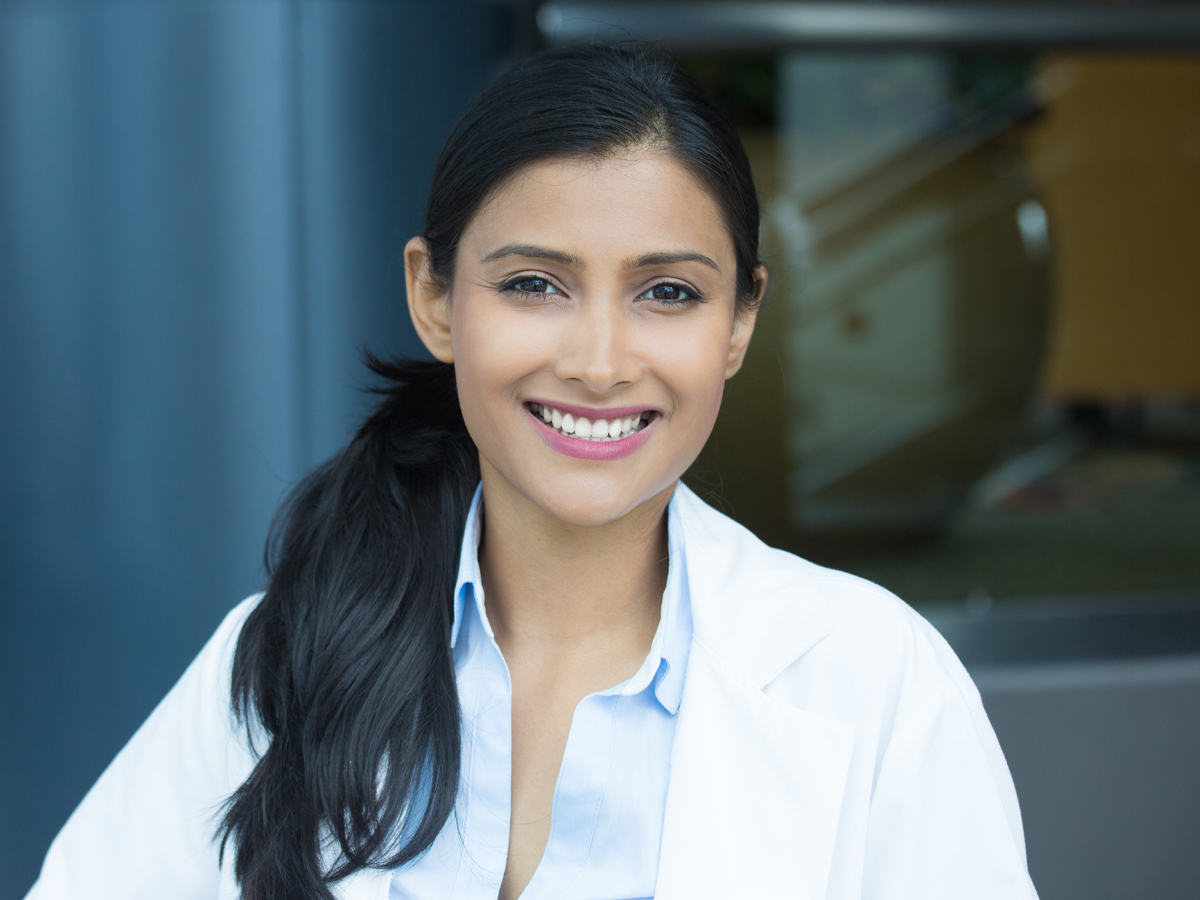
750 603
755 792
756 785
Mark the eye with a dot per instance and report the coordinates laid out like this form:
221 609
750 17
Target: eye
671 293
529 284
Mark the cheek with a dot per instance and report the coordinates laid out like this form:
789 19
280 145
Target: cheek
476 365
493 349
693 363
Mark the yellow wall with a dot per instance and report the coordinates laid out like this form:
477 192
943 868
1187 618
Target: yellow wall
1118 155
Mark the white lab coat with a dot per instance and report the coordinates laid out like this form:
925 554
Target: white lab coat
829 745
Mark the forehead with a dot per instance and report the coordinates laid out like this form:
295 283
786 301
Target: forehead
625 205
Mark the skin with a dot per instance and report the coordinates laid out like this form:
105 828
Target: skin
574 554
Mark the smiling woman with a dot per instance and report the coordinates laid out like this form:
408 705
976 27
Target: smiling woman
503 651
617 300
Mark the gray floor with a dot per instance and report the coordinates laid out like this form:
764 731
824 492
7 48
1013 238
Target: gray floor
1105 759
1101 733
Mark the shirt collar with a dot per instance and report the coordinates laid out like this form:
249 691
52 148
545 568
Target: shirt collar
468 566
667 661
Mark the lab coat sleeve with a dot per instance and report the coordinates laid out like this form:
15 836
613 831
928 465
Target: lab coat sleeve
941 819
146 829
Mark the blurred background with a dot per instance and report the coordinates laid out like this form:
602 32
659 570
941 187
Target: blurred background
976 379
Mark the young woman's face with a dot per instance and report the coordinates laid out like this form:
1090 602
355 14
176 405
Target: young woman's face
598 295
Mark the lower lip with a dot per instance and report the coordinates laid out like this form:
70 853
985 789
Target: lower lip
601 451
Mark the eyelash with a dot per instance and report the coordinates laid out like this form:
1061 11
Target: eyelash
511 287
691 300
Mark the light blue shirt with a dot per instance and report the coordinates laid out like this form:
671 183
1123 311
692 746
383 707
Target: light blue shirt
607 818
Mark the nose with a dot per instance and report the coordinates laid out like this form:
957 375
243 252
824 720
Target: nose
595 347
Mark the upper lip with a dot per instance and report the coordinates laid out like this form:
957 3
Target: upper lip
591 413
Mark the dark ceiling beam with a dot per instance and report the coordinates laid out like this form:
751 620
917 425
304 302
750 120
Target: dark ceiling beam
749 26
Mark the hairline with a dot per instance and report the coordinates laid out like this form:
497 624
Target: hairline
656 143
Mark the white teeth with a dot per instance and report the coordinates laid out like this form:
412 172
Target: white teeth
587 429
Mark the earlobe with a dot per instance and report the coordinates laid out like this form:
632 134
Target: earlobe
428 305
743 327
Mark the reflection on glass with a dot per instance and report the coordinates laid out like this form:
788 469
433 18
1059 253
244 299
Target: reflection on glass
977 264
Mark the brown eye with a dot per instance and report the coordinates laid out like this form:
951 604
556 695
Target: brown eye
668 292
530 284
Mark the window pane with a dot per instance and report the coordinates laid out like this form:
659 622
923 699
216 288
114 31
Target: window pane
978 370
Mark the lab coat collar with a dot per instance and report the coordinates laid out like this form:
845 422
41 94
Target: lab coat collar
756 789
730 581
746 606
757 785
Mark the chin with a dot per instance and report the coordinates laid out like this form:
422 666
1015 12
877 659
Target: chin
586 503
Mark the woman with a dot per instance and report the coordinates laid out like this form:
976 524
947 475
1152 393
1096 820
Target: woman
503 650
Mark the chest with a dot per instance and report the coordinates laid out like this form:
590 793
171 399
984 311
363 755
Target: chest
543 708
567 792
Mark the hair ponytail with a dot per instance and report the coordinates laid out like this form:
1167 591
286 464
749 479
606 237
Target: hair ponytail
346 661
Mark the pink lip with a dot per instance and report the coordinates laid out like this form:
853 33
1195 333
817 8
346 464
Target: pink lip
617 412
600 451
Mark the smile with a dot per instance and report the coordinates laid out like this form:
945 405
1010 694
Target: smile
596 437
584 429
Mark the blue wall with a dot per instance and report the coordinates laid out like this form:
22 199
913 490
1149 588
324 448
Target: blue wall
202 206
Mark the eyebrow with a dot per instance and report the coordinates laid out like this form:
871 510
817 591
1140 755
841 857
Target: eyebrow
531 251
663 259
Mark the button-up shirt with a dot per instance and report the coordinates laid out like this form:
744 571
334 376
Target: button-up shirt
606 826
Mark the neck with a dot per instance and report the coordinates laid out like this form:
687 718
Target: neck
554 588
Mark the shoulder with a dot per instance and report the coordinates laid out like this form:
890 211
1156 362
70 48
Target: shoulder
166 787
198 712
207 682
839 647
218 651
889 665
809 621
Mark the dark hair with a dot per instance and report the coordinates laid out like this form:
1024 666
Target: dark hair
346 662
591 101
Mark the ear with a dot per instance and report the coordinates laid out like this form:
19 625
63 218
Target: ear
743 326
428 305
